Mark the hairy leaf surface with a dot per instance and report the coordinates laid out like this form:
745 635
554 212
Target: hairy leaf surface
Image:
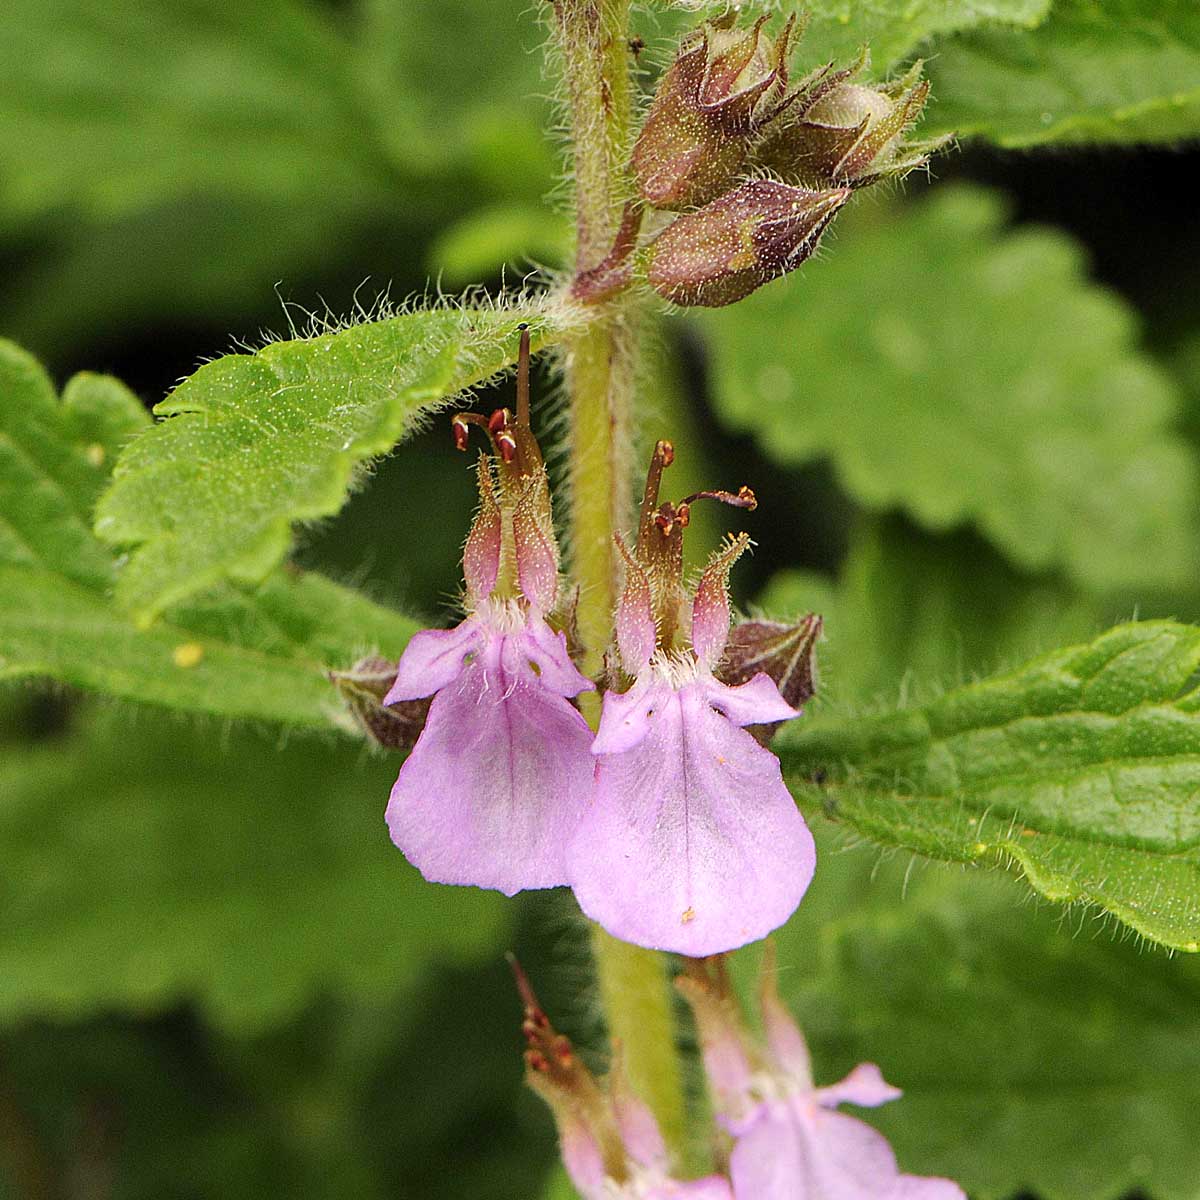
896 30
260 652
1121 71
253 443
1079 771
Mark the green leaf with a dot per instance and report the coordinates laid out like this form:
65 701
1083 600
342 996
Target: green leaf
111 108
1121 71
149 863
258 653
256 442
911 611
895 29
1036 1055
261 654
1079 771
968 373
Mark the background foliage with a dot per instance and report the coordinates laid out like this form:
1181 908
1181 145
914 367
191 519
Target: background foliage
973 426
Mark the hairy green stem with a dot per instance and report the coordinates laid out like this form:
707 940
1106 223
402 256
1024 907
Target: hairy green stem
601 367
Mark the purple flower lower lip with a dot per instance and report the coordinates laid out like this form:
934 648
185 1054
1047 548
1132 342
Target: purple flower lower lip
690 842
497 781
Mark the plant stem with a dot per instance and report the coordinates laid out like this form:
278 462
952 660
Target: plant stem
601 367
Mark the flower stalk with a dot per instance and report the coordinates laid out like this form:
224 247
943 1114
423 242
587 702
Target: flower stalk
601 367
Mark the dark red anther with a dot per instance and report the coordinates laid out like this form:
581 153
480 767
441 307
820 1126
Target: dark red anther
458 427
507 445
664 523
537 1061
743 498
499 420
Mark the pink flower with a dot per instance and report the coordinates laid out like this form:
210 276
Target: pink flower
690 842
791 1142
497 781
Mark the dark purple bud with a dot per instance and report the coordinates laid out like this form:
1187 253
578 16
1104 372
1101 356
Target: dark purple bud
724 251
850 133
705 113
363 687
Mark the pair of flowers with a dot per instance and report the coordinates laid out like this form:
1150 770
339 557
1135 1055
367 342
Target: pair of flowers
782 1138
671 823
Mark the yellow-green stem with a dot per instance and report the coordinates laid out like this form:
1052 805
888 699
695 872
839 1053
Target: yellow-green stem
601 363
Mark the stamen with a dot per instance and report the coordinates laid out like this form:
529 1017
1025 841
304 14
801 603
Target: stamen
523 377
458 427
744 498
506 444
663 457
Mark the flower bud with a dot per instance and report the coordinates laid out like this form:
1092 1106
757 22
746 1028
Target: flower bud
724 251
849 133
706 111
393 726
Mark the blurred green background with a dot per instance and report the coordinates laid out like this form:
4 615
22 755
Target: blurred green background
217 978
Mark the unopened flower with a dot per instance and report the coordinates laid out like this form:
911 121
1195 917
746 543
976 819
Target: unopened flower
724 84
844 132
791 1143
758 231
496 783
690 842
611 1145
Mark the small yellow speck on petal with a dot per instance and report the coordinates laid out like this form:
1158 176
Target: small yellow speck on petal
187 654
689 914
95 454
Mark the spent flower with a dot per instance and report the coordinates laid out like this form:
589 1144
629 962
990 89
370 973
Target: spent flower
690 841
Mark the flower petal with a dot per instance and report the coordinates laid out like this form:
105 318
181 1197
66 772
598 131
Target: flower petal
691 842
547 652
433 659
627 717
796 1151
766 1161
865 1086
495 785
756 702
